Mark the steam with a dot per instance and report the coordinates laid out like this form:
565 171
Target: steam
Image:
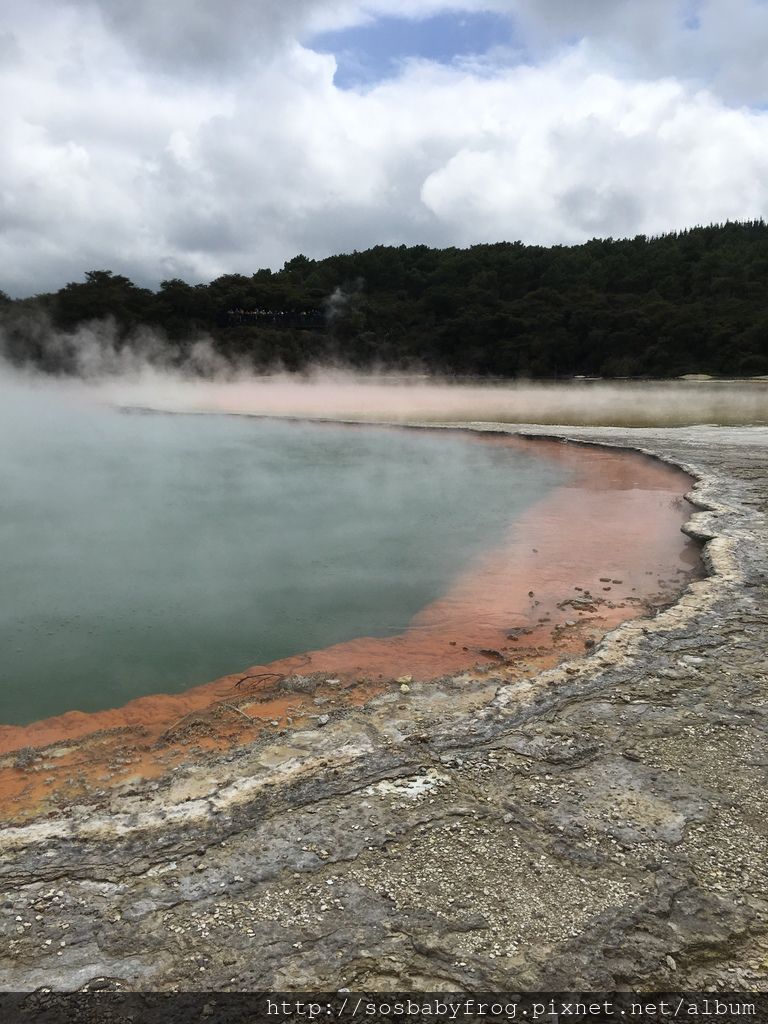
380 398
100 350
340 298
145 370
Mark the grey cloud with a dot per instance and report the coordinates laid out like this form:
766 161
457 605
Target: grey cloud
197 36
10 51
216 233
562 19
716 44
602 211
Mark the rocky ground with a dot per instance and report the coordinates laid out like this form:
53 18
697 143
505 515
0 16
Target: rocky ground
601 825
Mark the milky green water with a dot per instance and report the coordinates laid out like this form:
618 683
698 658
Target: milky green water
144 553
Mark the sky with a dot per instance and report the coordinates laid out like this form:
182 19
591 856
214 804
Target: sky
190 138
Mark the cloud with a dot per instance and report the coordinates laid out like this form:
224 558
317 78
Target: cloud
195 36
717 44
580 154
159 141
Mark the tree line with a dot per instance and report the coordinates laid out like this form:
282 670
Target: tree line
693 301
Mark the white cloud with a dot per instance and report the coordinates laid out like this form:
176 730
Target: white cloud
577 154
117 151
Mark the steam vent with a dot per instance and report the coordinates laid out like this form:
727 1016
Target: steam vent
549 773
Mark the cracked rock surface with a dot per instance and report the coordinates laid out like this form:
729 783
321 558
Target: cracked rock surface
601 825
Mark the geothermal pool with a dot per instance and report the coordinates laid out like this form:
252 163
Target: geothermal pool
144 553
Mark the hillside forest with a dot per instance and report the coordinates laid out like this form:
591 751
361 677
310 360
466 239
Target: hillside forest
694 301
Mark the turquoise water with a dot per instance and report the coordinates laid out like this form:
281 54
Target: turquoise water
145 553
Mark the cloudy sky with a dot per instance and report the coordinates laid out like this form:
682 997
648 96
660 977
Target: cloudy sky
189 138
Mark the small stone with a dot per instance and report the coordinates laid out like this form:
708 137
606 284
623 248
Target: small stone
404 680
405 688
670 962
323 720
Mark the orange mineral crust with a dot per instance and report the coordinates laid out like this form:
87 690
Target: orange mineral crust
603 548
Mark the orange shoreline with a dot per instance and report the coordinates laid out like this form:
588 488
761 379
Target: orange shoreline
608 540
572 538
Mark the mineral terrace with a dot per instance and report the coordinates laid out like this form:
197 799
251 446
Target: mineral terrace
601 825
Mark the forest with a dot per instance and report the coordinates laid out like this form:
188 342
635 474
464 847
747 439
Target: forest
693 301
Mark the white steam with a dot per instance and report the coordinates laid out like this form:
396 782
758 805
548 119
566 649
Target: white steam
340 298
145 371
